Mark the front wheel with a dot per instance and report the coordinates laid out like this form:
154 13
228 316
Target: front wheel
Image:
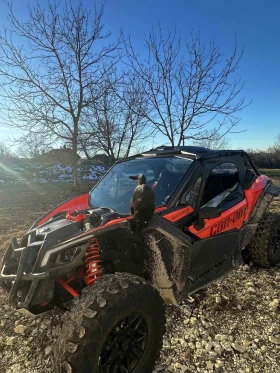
116 326
264 248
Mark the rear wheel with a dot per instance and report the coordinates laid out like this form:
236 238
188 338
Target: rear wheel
265 246
116 326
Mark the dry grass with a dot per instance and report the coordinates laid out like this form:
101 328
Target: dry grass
21 205
273 174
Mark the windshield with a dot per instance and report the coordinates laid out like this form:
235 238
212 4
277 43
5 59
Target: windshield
115 190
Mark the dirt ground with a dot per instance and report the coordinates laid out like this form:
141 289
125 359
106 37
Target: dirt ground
22 204
230 327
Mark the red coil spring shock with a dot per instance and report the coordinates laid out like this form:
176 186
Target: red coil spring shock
94 270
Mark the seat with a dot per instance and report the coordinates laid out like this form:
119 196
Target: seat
223 202
218 182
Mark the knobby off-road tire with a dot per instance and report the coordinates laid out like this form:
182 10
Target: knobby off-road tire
265 246
110 316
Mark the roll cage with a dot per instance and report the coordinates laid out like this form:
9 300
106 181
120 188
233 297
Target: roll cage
205 161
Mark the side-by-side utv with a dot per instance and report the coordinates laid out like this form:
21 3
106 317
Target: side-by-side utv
210 207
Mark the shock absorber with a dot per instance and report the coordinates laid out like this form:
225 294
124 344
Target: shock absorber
94 269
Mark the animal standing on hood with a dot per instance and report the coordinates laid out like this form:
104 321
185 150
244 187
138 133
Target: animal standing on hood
142 204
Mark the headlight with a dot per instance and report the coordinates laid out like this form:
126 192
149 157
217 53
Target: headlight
68 255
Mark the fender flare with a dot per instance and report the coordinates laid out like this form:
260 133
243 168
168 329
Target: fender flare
248 230
167 259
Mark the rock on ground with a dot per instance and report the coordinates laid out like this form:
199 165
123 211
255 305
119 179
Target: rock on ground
231 326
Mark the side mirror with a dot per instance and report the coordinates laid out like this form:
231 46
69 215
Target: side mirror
167 199
199 224
209 213
206 213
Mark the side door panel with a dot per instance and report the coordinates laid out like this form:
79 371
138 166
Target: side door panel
228 220
211 258
214 253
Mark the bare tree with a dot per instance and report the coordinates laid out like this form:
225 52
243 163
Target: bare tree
34 145
188 86
117 127
213 140
53 78
266 158
5 151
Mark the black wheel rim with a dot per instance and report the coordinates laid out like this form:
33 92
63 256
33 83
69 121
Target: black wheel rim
125 345
275 243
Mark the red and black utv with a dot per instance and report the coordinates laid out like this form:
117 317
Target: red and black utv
210 209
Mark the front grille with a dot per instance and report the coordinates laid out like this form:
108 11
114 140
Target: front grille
31 259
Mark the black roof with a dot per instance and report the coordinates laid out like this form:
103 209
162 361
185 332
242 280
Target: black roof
196 152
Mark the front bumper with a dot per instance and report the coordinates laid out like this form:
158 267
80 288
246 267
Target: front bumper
30 267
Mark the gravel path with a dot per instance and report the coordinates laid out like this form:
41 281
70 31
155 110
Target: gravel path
232 326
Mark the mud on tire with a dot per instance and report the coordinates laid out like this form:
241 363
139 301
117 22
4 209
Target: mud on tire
121 315
264 248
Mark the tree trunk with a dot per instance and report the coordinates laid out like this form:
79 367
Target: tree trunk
75 163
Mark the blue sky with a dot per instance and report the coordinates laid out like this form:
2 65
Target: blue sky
257 27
